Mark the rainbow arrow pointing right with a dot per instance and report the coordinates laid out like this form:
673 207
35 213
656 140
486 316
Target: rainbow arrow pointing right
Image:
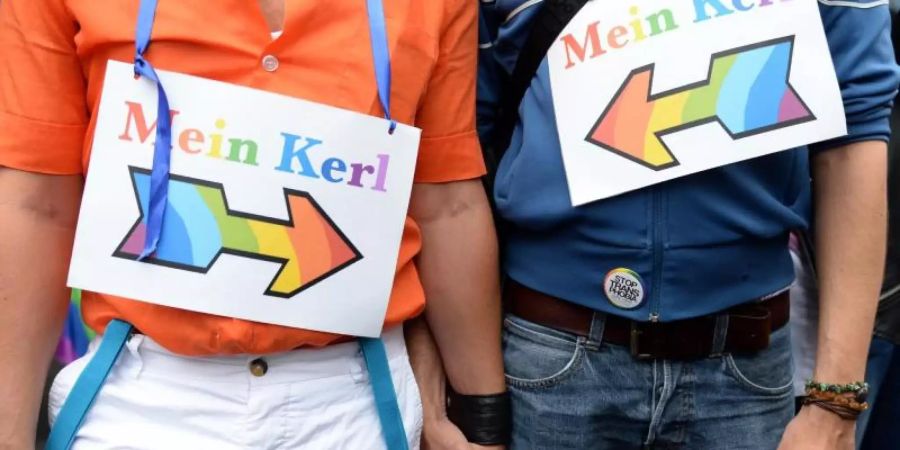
747 92
199 226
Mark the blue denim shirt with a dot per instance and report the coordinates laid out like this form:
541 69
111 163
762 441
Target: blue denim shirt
701 243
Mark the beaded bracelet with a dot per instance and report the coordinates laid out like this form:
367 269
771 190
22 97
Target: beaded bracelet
835 398
860 388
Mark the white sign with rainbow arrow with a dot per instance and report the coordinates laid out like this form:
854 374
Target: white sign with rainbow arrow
279 210
644 95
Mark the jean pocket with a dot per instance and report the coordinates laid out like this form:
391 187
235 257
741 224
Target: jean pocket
768 372
536 356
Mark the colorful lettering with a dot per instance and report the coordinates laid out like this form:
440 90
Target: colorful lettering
188 136
295 151
618 36
136 117
591 40
290 152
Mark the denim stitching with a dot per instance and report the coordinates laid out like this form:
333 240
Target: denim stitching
736 373
668 389
574 363
541 335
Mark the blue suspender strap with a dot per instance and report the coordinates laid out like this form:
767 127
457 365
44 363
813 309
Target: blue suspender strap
385 395
381 56
85 390
88 385
159 176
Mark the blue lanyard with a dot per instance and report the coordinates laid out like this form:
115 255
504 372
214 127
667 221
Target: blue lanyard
88 385
162 151
381 56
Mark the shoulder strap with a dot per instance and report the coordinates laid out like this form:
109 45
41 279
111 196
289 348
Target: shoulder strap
87 386
549 23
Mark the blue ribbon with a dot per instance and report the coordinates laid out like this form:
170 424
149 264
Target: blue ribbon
162 151
382 57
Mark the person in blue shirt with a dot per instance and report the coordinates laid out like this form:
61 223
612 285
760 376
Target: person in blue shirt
703 361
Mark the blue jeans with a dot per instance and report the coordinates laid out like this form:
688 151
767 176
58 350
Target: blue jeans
573 392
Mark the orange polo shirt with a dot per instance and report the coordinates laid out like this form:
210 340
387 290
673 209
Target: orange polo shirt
53 56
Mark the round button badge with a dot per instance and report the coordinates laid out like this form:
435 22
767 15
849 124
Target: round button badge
624 288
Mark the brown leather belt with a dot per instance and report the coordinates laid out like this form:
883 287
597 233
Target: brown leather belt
747 330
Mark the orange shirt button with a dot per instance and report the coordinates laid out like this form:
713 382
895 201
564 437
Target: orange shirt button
259 367
270 63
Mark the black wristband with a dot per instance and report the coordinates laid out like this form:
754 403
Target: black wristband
483 419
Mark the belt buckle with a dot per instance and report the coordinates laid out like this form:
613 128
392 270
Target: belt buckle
636 333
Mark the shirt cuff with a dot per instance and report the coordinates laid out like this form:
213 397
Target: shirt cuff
43 147
451 158
875 130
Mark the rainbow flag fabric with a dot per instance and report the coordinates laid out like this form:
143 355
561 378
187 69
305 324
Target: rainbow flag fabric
76 335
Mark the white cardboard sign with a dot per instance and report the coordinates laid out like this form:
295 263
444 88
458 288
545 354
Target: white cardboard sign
280 210
649 91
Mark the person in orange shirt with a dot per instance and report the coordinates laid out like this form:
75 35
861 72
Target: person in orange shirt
188 379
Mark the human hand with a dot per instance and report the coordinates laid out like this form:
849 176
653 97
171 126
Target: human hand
817 429
442 434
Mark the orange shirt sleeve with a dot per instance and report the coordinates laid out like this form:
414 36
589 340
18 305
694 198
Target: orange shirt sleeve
449 150
43 112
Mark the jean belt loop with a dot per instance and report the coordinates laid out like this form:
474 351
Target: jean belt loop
720 335
595 335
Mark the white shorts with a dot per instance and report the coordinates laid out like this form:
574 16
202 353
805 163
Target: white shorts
308 398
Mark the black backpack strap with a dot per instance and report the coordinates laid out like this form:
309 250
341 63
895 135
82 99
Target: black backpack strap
549 23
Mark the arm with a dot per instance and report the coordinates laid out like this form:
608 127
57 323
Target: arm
850 194
851 217
459 269
38 220
849 189
458 264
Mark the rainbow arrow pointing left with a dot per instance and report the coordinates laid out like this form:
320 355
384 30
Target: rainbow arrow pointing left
747 92
199 226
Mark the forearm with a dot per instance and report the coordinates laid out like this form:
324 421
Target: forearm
459 270
428 369
850 227
35 246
